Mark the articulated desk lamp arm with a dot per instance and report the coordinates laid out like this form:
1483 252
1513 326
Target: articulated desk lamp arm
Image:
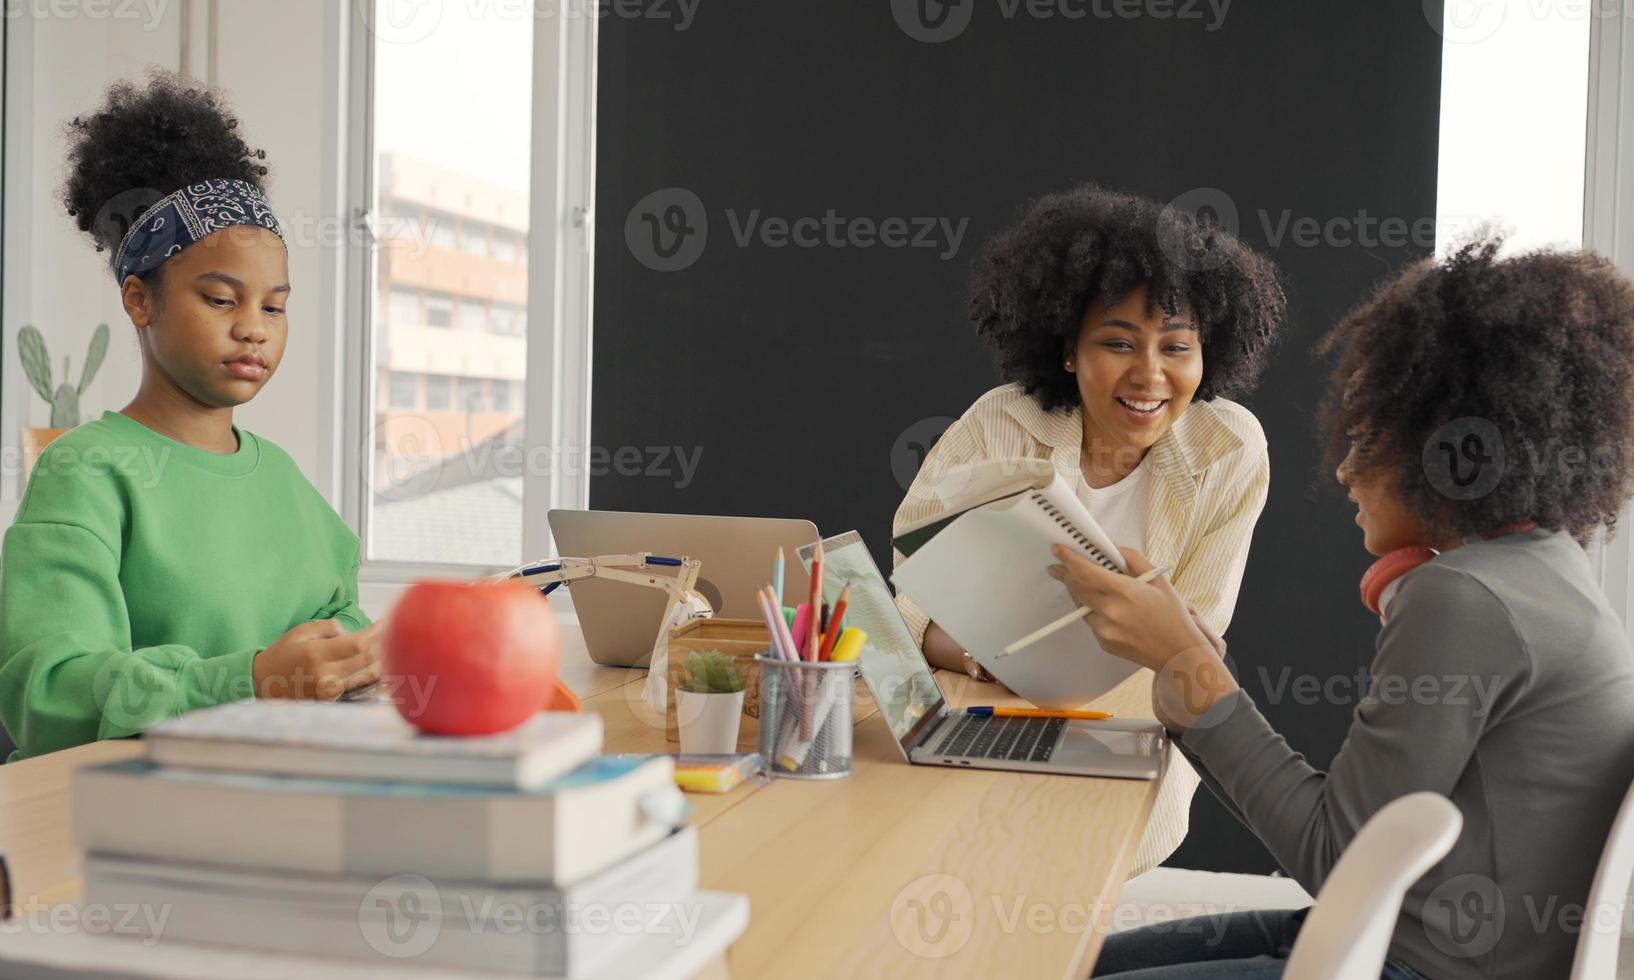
684 603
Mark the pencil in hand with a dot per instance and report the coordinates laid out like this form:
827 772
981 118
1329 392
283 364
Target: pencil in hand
1070 618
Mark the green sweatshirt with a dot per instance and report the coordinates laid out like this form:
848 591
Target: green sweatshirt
142 575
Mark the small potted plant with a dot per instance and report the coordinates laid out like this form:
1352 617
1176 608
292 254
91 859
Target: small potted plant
63 398
709 703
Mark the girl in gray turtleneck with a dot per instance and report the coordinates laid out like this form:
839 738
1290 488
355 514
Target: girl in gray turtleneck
1485 407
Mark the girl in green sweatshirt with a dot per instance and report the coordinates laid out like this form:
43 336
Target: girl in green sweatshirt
162 558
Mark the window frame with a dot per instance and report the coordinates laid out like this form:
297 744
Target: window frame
561 245
1608 227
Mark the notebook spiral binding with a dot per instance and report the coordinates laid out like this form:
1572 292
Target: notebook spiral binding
1055 515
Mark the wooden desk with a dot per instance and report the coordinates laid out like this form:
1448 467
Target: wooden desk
896 871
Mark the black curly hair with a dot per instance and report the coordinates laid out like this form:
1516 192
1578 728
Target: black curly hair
1035 281
1533 352
145 142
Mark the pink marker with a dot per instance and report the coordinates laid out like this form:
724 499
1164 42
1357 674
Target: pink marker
802 626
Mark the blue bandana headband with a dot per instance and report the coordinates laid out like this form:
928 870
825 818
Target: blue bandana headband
183 217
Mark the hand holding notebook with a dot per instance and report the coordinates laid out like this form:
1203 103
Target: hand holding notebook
979 569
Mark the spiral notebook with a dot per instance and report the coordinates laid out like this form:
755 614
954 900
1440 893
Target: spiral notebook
978 569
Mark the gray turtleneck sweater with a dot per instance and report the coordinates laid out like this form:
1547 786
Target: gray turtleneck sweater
1502 681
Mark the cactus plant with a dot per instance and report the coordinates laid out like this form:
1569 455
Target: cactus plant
64 399
711 672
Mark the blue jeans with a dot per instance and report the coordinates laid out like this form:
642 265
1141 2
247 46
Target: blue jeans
1239 946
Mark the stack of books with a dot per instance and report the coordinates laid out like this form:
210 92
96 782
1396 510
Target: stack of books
339 831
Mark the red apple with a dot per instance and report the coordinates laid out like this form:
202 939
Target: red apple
471 659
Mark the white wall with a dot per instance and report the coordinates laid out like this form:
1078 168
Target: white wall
277 60
272 57
57 67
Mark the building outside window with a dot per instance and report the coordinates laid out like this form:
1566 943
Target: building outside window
438 388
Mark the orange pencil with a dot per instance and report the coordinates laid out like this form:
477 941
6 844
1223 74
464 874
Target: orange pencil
1037 713
834 619
814 638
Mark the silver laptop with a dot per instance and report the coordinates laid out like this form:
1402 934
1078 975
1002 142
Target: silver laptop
932 733
621 621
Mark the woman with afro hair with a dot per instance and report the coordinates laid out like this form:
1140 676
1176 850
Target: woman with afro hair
1122 328
1481 416
164 559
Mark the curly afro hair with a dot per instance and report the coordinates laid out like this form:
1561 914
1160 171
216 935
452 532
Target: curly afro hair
144 143
1035 281
1534 352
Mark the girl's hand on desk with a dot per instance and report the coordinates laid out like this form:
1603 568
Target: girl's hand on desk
318 661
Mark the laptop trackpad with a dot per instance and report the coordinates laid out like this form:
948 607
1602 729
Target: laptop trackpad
1110 746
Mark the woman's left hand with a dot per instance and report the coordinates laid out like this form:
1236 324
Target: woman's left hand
1146 622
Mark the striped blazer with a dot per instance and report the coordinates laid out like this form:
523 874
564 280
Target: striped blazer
1212 472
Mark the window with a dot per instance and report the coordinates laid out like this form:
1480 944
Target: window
473 395
404 390
507 321
1512 143
442 230
404 222
439 311
404 306
445 108
437 392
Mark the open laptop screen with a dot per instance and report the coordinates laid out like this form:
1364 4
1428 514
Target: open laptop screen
892 664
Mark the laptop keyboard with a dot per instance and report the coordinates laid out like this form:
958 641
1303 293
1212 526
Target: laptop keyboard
1014 739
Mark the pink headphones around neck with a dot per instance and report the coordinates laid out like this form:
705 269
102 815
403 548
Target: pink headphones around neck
1381 580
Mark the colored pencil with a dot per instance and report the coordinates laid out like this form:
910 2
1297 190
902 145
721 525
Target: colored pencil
813 641
788 639
836 622
1037 713
771 627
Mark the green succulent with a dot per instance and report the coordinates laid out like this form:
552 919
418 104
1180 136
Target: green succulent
711 672
64 398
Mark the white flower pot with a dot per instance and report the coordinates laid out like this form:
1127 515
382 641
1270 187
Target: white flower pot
708 722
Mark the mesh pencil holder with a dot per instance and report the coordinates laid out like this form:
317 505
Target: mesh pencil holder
805 717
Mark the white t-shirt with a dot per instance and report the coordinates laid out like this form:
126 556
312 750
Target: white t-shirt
1120 509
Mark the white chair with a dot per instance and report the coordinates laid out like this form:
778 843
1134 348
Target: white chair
1597 944
1347 933
1167 894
